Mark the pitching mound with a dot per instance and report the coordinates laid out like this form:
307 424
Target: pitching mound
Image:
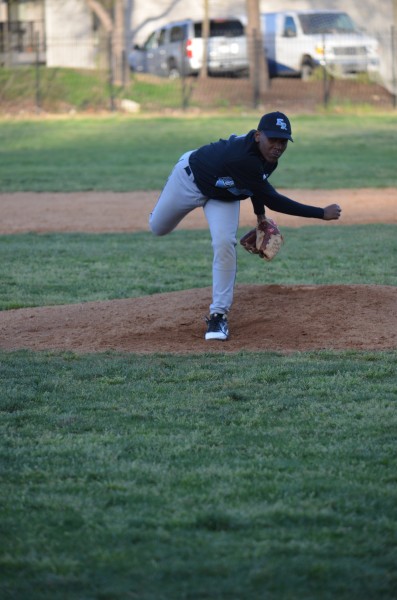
280 318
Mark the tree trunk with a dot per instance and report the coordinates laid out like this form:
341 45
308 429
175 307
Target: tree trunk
259 74
205 34
127 37
102 15
115 30
118 42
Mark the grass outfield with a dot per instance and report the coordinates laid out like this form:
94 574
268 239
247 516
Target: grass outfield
254 476
226 477
131 153
58 268
238 477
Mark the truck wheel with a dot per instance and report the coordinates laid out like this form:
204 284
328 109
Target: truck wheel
306 71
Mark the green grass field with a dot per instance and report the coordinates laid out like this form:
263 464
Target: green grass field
123 154
236 477
64 268
255 476
60 90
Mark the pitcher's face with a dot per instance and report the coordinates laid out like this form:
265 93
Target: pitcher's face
270 148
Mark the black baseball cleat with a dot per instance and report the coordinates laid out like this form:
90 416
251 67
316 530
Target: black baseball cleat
217 328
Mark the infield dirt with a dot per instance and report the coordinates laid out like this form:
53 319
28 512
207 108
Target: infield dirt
280 318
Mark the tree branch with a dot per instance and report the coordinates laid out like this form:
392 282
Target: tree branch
150 19
102 15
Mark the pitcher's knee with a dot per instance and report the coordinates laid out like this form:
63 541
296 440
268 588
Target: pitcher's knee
224 244
224 250
157 229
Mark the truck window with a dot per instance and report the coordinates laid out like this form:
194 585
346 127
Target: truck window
289 27
327 23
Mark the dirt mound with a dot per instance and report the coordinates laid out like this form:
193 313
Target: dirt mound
280 318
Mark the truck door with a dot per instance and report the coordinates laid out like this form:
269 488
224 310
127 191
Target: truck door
288 53
268 22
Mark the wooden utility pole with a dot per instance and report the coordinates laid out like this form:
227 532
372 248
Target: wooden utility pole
259 74
205 34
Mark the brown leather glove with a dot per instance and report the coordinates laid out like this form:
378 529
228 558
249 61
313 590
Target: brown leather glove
265 239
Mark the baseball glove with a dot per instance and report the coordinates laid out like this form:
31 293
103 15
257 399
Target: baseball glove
265 239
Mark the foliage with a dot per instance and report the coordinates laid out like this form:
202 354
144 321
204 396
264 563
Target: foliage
60 90
29 89
55 89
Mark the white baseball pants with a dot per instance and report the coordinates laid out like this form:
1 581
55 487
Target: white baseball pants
179 197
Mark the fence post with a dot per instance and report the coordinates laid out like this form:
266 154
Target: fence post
326 79
256 96
184 86
327 85
37 73
393 65
111 71
7 45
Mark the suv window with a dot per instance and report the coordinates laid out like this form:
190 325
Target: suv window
151 42
161 40
177 33
221 28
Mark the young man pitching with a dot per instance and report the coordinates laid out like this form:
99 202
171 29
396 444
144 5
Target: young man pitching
216 177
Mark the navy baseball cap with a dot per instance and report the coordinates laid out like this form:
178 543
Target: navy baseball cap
276 125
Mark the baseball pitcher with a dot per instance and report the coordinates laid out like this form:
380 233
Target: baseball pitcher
216 177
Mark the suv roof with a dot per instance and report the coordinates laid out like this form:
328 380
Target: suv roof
217 26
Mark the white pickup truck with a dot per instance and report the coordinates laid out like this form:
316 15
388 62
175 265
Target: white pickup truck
298 41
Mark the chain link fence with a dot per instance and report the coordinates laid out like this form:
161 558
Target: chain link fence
31 68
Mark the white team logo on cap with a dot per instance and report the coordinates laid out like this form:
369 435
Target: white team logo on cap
281 123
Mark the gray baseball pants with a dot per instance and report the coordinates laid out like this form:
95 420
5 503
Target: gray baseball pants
179 197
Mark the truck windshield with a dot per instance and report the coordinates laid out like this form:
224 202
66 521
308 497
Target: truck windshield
327 23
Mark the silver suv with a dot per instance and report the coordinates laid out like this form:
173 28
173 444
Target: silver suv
176 49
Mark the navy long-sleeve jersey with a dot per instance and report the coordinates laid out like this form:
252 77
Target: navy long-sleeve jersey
234 169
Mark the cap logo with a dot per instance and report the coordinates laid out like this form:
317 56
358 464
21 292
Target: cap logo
281 123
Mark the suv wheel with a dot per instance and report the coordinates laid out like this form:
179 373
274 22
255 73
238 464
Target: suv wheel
173 72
